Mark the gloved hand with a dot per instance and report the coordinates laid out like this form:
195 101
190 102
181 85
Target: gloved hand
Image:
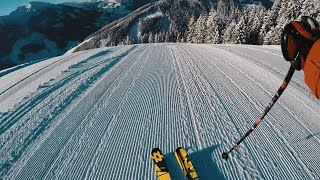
297 40
300 44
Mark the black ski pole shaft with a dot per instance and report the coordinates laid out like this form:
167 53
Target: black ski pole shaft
286 81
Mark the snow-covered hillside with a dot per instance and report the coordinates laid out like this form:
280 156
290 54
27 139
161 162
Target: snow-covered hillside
97 114
41 30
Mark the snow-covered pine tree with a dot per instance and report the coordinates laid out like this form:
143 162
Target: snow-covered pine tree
201 26
217 36
150 37
270 21
156 38
212 31
265 27
318 11
144 38
162 36
167 37
309 8
240 33
228 33
225 8
127 40
289 11
255 19
274 12
191 30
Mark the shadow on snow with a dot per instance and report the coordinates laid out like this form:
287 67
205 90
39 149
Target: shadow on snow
202 161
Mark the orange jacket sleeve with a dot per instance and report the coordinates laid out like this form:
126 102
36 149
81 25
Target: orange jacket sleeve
311 69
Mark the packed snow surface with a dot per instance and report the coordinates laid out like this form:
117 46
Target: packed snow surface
97 114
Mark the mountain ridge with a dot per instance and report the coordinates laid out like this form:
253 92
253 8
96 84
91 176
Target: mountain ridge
231 21
42 30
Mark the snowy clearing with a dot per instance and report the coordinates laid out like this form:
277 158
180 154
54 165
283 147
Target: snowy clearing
97 114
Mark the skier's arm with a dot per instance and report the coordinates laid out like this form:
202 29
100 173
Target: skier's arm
311 68
300 45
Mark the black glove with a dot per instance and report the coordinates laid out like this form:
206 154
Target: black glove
297 39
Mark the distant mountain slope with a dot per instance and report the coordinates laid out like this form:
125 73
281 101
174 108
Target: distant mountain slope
42 30
204 21
163 21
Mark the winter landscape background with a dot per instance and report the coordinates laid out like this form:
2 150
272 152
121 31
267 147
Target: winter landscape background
127 76
97 114
42 30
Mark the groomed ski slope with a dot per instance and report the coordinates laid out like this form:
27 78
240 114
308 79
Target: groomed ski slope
97 114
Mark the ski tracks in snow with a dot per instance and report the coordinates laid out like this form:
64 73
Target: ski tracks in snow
31 118
100 118
282 113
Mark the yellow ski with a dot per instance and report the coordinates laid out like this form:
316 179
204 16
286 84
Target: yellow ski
160 164
185 163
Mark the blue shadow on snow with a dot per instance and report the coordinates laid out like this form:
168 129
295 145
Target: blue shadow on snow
202 162
99 54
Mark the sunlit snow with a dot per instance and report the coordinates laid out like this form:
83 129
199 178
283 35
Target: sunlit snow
97 114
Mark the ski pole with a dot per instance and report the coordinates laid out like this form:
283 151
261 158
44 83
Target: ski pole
286 81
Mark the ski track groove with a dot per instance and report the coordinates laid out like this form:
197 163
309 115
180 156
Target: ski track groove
80 87
229 114
227 76
153 79
296 83
157 81
25 108
77 152
189 105
298 120
200 86
265 50
279 135
39 73
11 133
246 97
89 68
291 130
182 99
99 158
193 94
37 99
134 129
103 116
101 131
201 91
88 124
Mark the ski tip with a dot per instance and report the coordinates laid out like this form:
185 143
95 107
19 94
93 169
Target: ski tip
225 156
156 149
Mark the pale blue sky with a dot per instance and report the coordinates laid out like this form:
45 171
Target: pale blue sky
7 6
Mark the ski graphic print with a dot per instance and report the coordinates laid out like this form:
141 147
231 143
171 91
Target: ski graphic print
160 164
185 163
